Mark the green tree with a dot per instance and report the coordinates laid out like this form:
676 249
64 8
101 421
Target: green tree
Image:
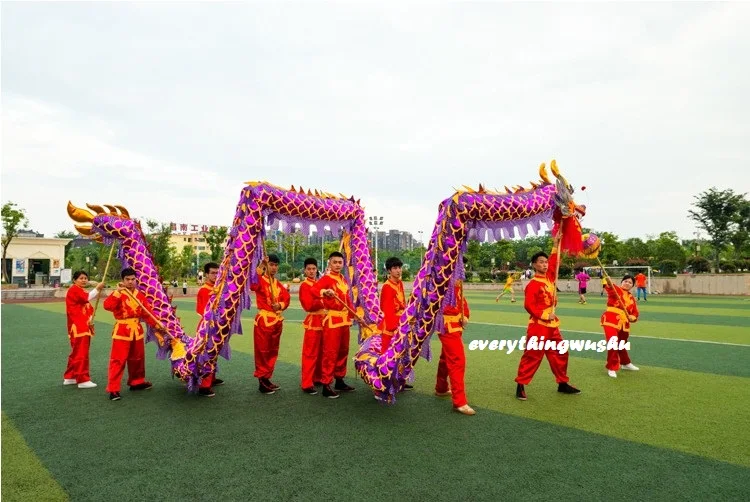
612 248
719 213
473 254
635 249
162 252
185 261
101 255
698 264
215 238
270 246
13 221
66 234
291 243
740 238
667 248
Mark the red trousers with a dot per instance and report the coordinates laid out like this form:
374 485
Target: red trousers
335 353
266 349
385 342
616 357
132 353
452 366
207 382
312 357
78 360
531 359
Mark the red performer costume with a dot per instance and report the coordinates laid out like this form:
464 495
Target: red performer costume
79 334
200 307
128 345
539 302
268 325
312 343
452 363
336 325
393 304
616 323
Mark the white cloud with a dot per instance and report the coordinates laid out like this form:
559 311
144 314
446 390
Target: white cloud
173 107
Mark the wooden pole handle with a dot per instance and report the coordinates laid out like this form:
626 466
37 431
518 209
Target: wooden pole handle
104 278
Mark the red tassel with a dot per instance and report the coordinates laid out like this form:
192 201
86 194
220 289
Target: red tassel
571 241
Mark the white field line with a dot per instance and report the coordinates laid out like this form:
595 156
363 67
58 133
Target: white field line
599 333
631 336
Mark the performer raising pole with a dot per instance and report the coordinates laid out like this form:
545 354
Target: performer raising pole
621 311
80 330
540 300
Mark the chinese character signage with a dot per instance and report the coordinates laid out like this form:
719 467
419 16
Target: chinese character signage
190 227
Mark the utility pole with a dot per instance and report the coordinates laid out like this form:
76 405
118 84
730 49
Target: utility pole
376 223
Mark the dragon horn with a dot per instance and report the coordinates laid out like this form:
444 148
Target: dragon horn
123 211
98 209
543 173
84 229
78 214
556 172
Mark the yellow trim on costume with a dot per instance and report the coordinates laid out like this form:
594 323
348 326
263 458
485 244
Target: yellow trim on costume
341 284
305 325
450 320
266 315
75 334
134 324
344 314
546 313
550 287
624 321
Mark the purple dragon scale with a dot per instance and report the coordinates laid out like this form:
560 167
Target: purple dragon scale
134 252
471 214
262 204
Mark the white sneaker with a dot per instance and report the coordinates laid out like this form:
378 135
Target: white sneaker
466 410
612 373
630 367
87 385
69 381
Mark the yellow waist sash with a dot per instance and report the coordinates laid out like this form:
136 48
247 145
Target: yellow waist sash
344 314
269 317
618 310
134 329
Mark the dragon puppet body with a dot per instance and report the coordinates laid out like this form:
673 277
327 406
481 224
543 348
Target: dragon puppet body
467 214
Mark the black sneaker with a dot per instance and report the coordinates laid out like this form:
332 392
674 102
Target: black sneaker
271 385
520 392
114 396
218 381
329 392
142 386
567 389
408 387
310 390
341 386
206 392
265 389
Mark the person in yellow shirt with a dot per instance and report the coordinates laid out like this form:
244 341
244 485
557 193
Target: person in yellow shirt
508 288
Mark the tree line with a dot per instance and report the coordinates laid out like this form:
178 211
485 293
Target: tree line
723 215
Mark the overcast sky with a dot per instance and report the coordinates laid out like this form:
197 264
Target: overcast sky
168 108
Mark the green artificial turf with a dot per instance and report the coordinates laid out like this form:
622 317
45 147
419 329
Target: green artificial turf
677 429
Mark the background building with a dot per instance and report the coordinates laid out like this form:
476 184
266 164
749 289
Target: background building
33 259
393 240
